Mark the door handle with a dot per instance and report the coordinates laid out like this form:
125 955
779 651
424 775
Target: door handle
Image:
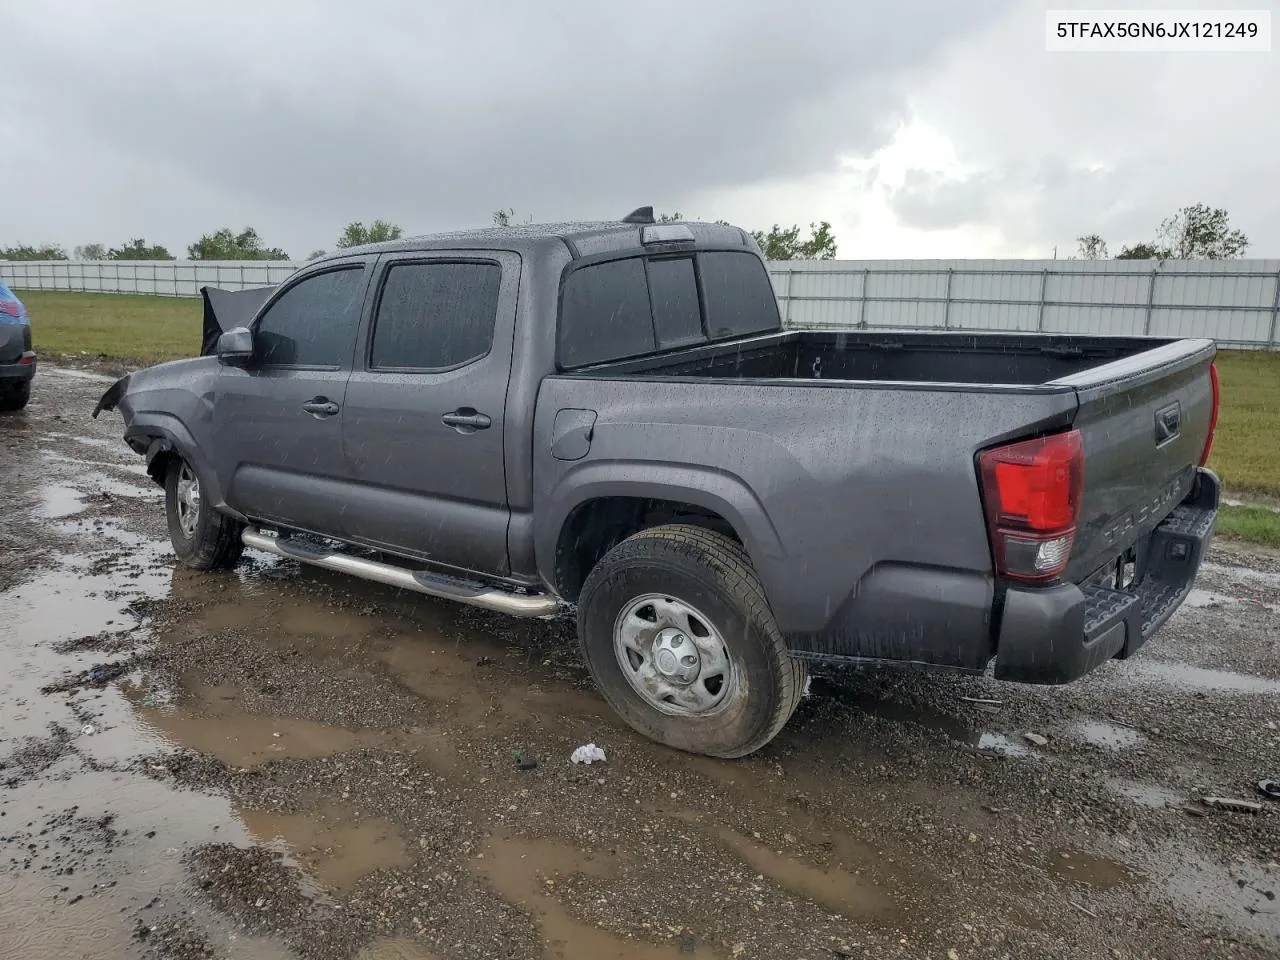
466 420
320 408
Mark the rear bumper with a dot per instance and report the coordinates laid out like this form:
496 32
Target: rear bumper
1057 634
19 371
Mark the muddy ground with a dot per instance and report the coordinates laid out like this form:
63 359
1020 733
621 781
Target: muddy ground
279 762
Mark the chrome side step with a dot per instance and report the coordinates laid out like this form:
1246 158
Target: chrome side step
419 581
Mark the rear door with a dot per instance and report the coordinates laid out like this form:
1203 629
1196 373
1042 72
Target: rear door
277 423
425 409
1144 421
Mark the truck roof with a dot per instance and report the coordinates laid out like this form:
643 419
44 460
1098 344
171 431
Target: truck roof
581 238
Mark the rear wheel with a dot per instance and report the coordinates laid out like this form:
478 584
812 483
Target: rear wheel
202 538
15 396
676 631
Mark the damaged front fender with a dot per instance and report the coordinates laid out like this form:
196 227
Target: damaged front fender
111 399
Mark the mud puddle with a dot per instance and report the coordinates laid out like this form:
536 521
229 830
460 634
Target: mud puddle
1007 746
57 502
1199 599
1150 795
212 721
1242 892
334 846
1187 677
836 890
527 872
395 949
1097 872
1108 736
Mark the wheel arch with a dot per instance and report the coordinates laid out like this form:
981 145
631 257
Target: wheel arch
603 504
161 438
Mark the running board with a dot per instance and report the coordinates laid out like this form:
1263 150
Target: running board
419 581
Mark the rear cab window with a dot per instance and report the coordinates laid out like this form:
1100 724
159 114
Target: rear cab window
641 304
739 295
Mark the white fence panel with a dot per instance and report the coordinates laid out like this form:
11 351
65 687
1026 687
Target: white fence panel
1236 302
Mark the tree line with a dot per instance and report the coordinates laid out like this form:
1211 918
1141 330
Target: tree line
1196 232
778 243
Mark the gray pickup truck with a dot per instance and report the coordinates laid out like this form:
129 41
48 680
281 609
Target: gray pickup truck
608 420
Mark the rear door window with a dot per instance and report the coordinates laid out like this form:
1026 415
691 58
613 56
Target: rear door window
435 316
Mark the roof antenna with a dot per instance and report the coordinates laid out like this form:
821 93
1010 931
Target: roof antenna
639 215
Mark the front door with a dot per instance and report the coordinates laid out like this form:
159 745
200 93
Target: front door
278 421
424 413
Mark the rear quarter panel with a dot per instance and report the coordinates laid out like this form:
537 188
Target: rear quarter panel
823 483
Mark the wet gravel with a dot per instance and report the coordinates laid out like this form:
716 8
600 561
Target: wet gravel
281 762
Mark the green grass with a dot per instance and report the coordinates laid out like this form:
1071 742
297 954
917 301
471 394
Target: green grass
1255 524
141 329
1246 448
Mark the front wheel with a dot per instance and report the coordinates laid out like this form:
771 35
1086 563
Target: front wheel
202 538
678 636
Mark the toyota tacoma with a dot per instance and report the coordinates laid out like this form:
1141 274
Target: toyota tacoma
609 421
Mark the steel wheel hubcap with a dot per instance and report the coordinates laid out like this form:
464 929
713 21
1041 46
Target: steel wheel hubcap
188 500
673 656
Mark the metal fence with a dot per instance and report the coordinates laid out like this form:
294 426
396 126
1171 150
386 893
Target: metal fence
1236 302
174 278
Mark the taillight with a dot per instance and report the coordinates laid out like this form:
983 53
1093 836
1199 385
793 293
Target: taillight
1213 413
11 307
1031 491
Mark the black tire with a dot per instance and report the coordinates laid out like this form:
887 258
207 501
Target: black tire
212 541
15 396
712 574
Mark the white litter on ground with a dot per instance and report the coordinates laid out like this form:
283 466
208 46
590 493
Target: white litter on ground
588 753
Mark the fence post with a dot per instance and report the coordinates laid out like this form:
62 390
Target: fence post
946 300
1151 300
1275 317
1044 289
862 299
791 290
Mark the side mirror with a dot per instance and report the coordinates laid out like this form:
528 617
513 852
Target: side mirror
235 347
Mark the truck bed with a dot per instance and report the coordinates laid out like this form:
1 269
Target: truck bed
922 358
862 449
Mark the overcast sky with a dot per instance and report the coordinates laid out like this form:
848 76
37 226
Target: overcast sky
919 129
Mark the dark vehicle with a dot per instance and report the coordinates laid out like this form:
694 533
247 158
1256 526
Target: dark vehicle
17 358
608 419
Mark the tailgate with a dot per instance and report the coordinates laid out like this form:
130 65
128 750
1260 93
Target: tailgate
1144 421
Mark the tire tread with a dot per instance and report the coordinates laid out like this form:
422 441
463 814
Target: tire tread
217 544
732 567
